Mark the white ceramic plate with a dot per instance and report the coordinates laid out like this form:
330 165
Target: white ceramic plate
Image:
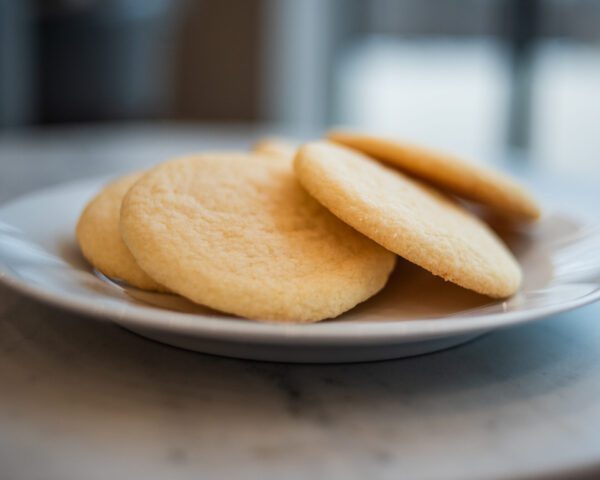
416 312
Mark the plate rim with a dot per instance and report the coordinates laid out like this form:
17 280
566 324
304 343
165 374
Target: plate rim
242 330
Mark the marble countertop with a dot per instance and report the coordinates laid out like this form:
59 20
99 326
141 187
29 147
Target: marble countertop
81 398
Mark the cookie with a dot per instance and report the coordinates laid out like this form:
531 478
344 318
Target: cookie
474 182
277 147
236 232
100 239
409 218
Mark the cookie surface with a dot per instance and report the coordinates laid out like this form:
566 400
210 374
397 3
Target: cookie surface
473 182
277 147
411 219
236 232
100 239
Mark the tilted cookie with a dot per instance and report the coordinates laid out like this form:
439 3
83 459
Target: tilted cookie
100 239
413 220
474 182
236 232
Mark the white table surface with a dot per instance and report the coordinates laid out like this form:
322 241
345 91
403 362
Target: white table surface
85 399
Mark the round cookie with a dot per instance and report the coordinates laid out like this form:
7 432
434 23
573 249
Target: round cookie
276 147
237 232
413 220
100 239
474 182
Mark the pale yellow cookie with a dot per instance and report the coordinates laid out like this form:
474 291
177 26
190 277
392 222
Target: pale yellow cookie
237 232
277 147
413 220
474 182
100 240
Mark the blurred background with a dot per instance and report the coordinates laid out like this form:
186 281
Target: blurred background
483 78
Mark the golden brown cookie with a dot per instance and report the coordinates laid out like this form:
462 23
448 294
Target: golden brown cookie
413 220
237 232
474 182
100 239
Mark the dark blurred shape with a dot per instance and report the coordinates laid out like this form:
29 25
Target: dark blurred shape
17 69
416 18
523 29
219 62
101 60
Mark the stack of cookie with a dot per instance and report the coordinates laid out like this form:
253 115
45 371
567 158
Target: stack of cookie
301 235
